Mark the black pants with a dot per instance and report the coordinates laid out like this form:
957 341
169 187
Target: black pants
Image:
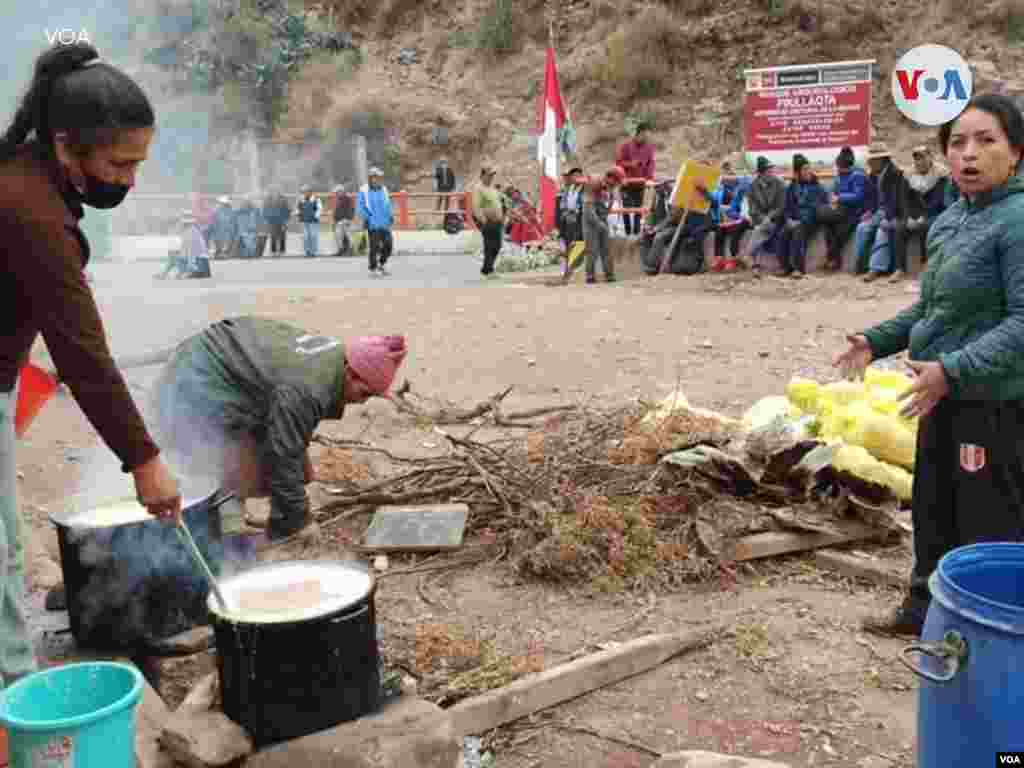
920 234
633 197
839 224
734 235
793 248
954 506
381 245
277 238
898 247
492 234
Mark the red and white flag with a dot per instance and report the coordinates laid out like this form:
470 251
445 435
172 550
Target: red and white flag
553 128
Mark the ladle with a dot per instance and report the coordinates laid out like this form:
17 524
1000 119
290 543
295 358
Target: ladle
190 544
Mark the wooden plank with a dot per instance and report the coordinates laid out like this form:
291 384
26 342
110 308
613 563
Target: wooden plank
783 542
569 681
858 567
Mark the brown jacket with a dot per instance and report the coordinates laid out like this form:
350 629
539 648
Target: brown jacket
43 289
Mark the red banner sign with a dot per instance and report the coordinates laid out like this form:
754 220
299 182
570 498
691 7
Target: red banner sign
808 118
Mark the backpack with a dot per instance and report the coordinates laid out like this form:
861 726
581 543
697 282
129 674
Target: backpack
453 223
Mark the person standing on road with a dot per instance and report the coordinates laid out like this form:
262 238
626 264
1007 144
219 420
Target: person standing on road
636 159
444 183
224 230
344 212
276 213
597 195
91 127
309 210
489 214
965 336
238 405
375 210
250 222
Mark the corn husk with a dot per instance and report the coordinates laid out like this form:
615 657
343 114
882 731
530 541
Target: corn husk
876 378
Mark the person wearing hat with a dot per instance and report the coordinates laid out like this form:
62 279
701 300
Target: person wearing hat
636 158
276 213
926 198
597 197
224 230
846 205
804 197
374 206
489 214
444 183
889 249
308 210
344 212
238 403
766 203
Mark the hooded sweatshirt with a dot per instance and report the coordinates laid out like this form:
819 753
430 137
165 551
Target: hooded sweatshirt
970 314
262 378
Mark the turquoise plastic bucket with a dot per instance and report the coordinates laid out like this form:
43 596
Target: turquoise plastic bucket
77 716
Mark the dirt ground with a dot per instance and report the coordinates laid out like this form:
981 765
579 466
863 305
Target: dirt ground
795 680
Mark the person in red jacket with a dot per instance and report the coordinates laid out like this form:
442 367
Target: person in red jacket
636 158
77 139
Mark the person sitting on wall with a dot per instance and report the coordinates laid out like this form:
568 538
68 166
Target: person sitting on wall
926 198
766 201
889 252
846 204
804 197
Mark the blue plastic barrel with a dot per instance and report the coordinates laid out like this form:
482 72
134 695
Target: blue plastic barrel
971 659
80 715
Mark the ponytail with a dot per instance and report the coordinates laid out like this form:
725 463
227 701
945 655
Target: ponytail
74 92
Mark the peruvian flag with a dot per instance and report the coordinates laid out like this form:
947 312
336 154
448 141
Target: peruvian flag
554 128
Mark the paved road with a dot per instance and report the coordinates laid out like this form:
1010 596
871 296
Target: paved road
142 314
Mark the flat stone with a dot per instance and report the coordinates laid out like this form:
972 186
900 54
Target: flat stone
698 759
406 733
150 718
205 740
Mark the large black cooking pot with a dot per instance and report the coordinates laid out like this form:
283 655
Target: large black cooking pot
288 673
128 577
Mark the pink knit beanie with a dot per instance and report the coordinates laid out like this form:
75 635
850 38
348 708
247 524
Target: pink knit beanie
376 359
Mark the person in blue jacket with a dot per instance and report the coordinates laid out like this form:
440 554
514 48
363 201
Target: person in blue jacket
804 197
309 209
374 206
840 219
726 214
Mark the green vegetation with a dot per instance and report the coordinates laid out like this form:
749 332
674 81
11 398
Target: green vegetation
498 28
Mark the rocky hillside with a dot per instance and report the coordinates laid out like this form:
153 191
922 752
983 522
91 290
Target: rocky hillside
474 67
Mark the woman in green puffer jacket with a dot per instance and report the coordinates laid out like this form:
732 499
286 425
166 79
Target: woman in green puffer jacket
965 337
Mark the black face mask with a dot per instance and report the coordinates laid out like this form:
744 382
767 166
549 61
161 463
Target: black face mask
103 194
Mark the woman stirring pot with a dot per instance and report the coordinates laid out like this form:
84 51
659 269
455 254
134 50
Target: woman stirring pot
77 139
965 335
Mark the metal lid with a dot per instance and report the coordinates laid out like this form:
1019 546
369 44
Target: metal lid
278 593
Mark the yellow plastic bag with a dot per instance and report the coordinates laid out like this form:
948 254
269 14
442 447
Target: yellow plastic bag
881 379
859 462
803 393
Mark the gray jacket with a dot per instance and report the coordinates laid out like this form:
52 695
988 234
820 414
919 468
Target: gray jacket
766 198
